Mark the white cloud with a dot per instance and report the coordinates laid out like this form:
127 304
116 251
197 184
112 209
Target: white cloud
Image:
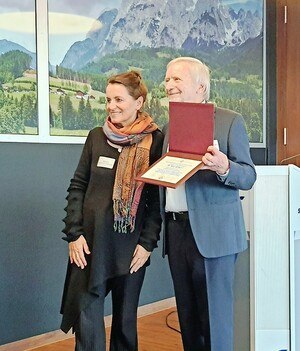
18 21
62 23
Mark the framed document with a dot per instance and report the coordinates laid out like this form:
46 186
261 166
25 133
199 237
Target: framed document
191 131
171 170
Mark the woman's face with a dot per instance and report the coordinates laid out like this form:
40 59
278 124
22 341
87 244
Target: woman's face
121 107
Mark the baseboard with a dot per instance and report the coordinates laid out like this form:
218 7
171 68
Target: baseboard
58 335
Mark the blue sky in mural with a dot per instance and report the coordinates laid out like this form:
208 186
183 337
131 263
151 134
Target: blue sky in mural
16 30
94 8
61 42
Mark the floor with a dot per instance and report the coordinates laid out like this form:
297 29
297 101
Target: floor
154 334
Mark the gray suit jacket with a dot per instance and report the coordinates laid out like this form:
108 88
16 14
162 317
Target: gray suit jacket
214 205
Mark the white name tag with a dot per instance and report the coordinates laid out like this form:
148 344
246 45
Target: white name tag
106 162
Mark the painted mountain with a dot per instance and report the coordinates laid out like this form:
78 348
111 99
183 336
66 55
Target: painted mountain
6 46
196 26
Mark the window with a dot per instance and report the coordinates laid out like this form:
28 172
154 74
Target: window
58 94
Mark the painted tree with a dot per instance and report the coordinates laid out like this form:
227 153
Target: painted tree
68 114
11 121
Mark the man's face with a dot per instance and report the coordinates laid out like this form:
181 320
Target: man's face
180 85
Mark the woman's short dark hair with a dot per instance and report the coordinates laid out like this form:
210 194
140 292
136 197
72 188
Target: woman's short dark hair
132 81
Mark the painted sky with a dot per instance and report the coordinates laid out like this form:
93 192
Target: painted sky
22 31
60 41
17 22
90 8
85 8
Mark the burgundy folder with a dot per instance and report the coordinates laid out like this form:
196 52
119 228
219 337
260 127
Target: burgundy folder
191 127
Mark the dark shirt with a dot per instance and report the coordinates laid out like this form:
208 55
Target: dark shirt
90 213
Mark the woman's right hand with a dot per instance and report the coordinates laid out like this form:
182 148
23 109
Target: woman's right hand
77 251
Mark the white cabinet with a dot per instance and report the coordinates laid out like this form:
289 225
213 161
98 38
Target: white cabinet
272 217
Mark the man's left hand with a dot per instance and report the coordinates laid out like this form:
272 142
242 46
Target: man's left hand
215 160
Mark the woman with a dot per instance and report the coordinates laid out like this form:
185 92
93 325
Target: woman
112 221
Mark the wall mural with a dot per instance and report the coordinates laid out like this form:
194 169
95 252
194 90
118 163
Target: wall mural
89 43
18 89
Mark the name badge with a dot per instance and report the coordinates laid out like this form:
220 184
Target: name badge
106 162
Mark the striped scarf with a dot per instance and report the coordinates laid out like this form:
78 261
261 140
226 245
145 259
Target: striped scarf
136 141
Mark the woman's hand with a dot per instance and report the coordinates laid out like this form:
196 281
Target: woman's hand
140 256
77 249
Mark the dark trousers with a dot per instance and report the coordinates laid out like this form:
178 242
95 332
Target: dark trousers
90 329
203 290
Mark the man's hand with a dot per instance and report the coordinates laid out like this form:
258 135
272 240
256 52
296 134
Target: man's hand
140 256
77 251
215 160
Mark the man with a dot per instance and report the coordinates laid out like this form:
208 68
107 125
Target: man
203 219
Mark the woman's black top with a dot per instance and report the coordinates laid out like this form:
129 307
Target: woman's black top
90 213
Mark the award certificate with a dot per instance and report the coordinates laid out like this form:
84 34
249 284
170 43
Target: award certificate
171 171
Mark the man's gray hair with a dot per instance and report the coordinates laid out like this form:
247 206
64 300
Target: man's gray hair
199 72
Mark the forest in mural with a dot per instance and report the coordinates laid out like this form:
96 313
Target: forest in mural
18 93
146 35
18 102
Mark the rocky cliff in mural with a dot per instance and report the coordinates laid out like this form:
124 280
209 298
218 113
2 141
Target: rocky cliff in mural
195 25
